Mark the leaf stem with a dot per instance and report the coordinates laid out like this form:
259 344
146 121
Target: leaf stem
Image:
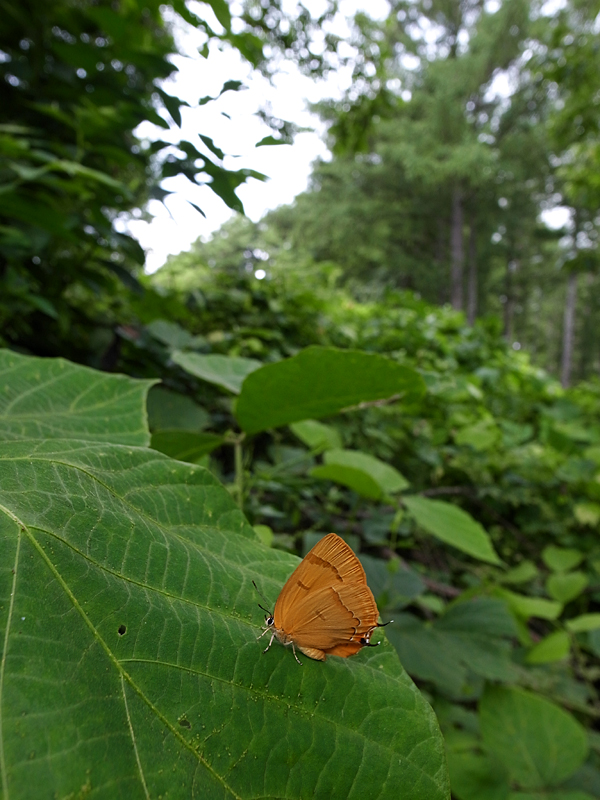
236 439
239 469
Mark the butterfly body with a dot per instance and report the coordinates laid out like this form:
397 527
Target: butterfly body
325 607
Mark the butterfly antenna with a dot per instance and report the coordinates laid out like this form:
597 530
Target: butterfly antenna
263 597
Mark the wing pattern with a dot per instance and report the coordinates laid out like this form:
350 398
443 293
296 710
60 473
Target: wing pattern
326 607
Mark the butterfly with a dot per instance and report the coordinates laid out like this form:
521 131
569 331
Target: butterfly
325 608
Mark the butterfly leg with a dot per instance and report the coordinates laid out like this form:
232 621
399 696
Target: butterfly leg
295 656
270 642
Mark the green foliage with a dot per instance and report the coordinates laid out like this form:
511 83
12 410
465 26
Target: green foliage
319 382
129 616
472 635
495 461
84 404
452 525
538 743
553 647
514 493
226 371
316 435
438 179
76 81
362 472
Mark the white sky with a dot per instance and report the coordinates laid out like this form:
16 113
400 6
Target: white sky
175 224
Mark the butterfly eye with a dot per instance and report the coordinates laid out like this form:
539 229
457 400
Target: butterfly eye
269 620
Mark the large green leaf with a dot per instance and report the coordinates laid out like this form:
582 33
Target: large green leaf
478 631
130 666
420 649
538 742
48 398
452 525
226 371
131 604
318 382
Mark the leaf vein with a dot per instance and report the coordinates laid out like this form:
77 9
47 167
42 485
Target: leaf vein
133 739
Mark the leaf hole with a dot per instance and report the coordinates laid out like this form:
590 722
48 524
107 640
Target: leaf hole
122 630
185 723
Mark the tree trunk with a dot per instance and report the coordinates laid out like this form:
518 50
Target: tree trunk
456 250
509 303
472 284
588 337
441 245
568 331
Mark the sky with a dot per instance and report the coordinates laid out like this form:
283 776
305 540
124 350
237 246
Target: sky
175 225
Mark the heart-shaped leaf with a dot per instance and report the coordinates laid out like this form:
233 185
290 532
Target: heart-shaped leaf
561 559
566 586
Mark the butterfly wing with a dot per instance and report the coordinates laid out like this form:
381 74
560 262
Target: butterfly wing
326 606
330 563
332 616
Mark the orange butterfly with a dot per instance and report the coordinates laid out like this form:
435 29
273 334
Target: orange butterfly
325 608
